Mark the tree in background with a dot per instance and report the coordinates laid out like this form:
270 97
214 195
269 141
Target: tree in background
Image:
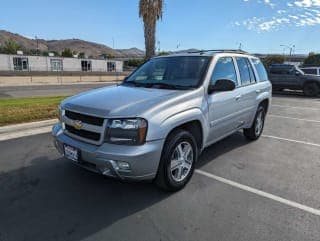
108 56
273 59
312 60
150 11
81 55
11 47
135 62
162 53
67 53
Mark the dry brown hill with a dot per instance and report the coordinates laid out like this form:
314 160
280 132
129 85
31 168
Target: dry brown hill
78 45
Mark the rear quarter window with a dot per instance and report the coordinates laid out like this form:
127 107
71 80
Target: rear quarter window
261 71
310 71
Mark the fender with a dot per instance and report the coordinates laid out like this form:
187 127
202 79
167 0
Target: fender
266 95
183 117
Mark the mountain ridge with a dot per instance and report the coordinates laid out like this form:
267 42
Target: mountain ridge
91 49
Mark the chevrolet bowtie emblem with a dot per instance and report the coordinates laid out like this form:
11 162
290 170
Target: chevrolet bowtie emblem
77 124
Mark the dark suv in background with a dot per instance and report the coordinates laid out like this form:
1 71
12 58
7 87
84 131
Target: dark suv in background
285 76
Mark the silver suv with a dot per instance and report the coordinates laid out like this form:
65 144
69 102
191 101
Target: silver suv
155 124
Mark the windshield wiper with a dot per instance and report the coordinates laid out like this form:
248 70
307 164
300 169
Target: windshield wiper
159 85
170 86
135 83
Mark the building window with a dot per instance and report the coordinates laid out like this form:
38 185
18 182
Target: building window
20 63
111 66
56 64
86 65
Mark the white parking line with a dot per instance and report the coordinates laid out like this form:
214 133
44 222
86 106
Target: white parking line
261 193
291 140
292 118
296 107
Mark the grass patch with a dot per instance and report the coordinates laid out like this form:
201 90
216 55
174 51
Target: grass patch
20 110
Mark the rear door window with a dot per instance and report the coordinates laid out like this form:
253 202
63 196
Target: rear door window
284 70
246 71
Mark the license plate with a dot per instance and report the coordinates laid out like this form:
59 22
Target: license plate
71 153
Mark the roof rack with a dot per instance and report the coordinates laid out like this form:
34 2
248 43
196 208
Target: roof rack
237 51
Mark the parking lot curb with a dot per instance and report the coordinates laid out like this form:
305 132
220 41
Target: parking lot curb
26 126
26 129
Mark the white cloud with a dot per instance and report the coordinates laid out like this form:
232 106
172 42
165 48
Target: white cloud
297 13
307 3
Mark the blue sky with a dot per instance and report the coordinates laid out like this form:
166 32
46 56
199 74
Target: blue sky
260 25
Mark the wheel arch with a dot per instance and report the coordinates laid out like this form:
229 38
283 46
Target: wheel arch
265 103
194 127
192 120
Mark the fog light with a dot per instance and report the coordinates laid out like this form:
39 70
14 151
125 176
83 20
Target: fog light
123 165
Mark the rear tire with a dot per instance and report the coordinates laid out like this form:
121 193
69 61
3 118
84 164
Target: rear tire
255 131
311 89
179 155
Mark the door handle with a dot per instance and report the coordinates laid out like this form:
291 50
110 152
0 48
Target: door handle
258 91
238 97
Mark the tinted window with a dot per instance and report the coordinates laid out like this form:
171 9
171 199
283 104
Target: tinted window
310 71
281 70
180 71
224 69
262 73
246 72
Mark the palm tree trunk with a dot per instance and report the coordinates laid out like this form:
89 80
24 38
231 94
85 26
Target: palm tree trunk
149 36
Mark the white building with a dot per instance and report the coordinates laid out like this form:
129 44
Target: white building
50 63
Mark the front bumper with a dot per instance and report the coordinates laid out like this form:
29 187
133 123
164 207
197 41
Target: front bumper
143 160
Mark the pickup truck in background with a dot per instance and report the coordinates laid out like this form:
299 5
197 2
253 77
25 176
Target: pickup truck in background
285 76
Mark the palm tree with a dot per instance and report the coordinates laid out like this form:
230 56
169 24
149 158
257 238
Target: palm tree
150 11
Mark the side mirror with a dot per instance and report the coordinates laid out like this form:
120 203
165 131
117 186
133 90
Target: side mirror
222 85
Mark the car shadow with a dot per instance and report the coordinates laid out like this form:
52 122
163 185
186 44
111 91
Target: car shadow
222 147
52 199
292 93
56 200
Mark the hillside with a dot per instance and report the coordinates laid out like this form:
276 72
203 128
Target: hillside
78 45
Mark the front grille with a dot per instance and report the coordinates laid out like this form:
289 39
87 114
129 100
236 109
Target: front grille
92 120
83 133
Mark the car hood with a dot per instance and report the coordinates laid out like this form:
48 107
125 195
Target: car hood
118 101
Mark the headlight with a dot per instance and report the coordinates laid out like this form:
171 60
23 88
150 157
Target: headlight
60 113
127 131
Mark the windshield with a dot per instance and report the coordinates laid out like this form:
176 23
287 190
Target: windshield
181 72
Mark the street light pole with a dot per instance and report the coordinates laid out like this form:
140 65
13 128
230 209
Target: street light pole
291 48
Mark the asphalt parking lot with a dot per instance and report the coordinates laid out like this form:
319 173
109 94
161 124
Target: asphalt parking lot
263 190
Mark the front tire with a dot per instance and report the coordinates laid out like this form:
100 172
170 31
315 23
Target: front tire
177 162
311 89
255 131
